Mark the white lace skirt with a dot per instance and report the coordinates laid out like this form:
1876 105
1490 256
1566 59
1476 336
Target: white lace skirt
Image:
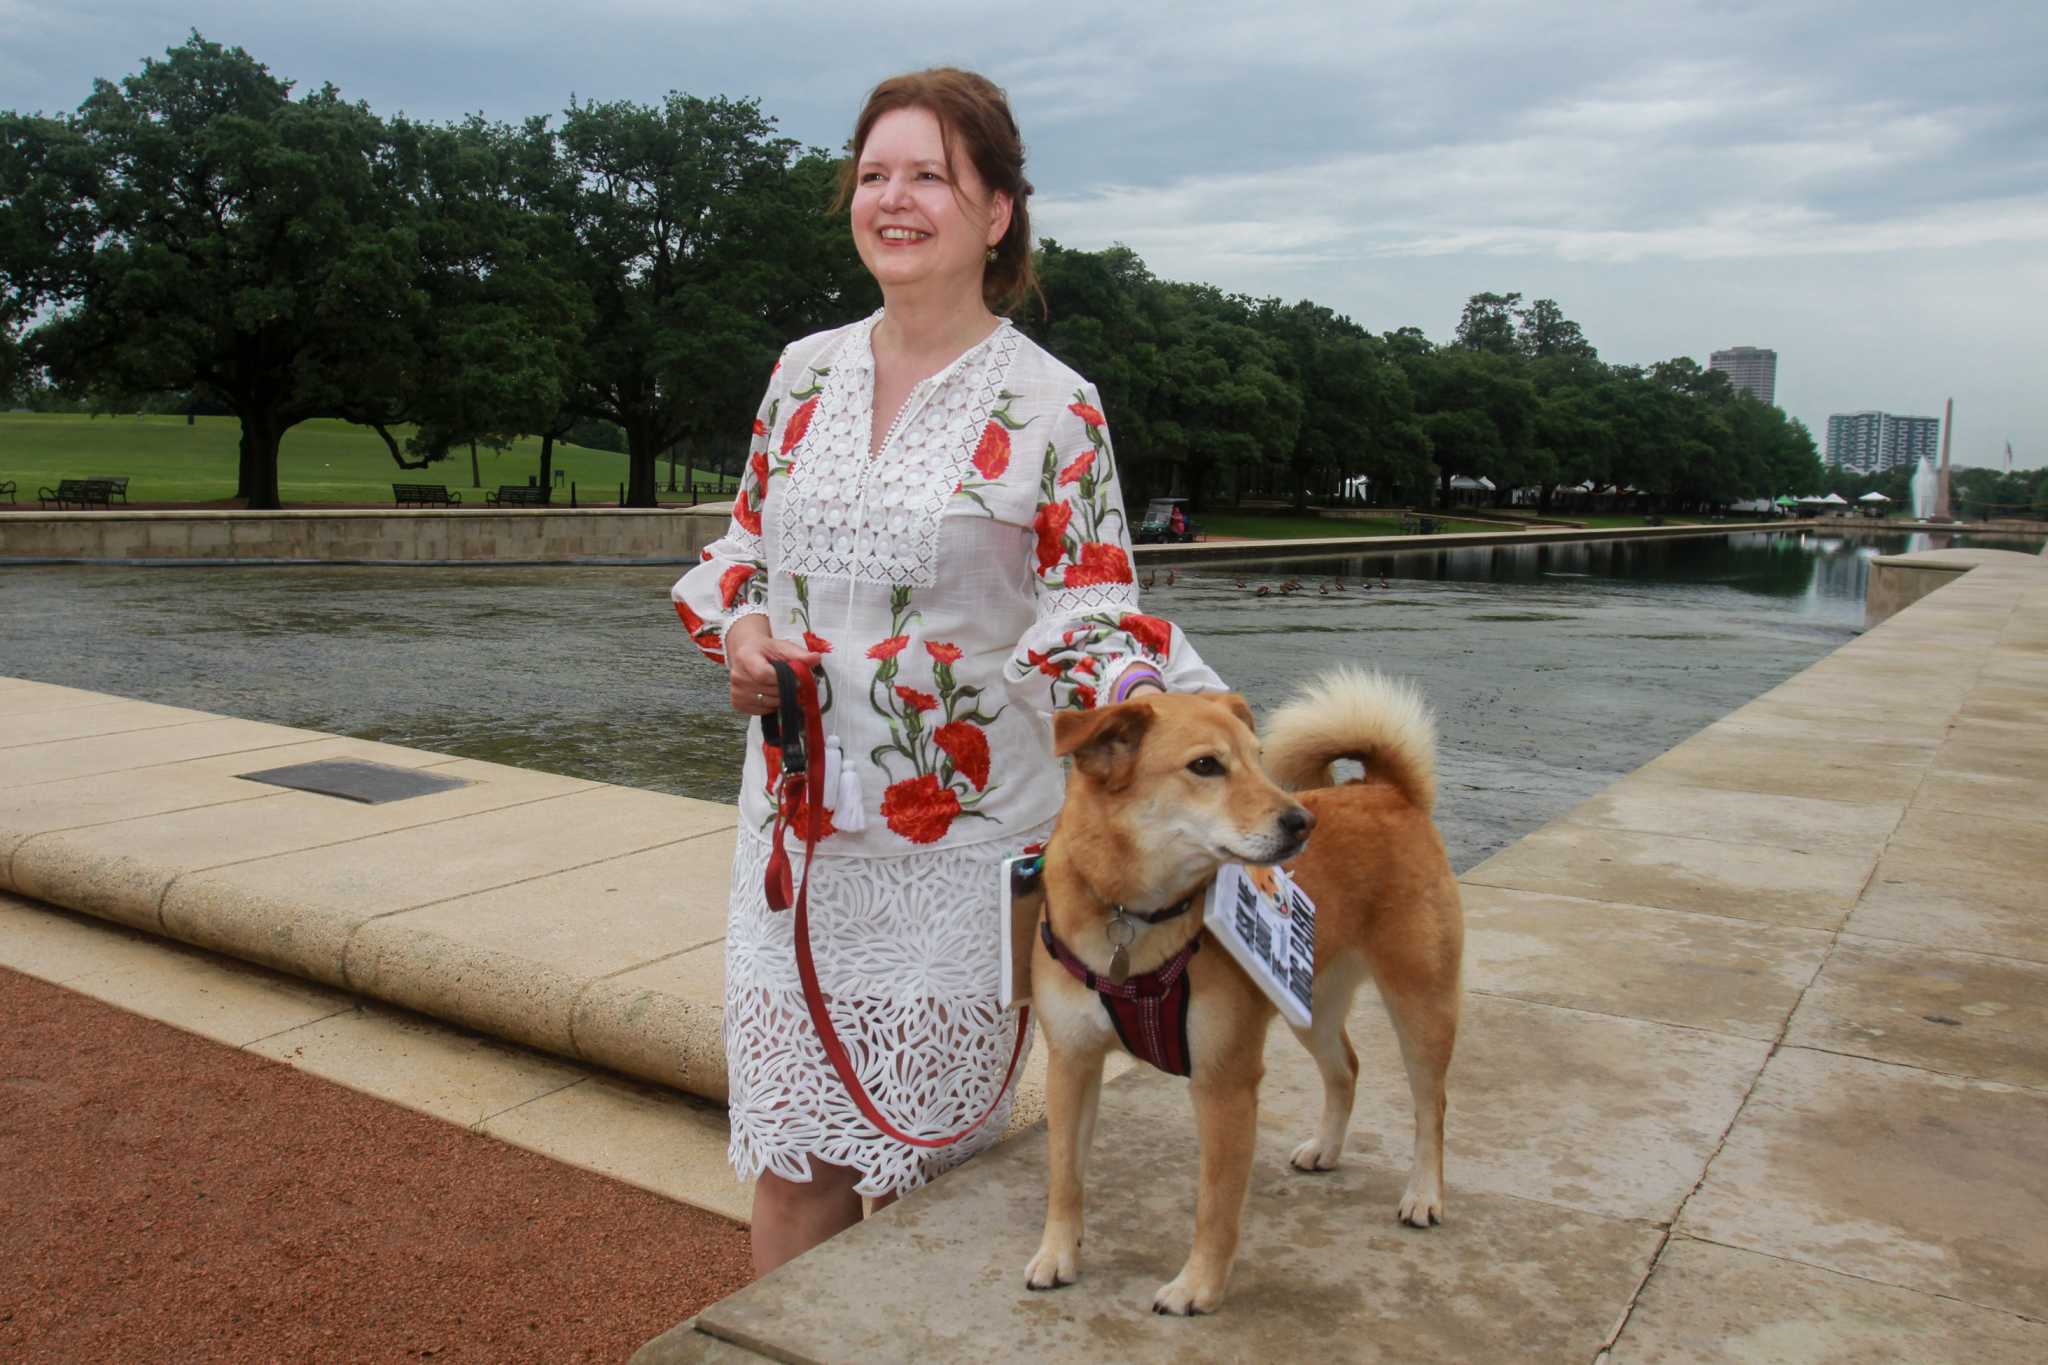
908 953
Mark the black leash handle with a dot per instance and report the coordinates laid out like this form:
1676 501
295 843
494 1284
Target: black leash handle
784 726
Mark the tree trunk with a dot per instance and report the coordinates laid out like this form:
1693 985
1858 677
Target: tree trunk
547 459
1443 495
261 434
1543 496
642 452
245 465
672 451
476 474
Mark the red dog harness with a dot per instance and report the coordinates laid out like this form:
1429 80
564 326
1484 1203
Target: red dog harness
1149 1012
799 728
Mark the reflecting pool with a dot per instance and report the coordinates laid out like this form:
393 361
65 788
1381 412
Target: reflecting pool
1554 668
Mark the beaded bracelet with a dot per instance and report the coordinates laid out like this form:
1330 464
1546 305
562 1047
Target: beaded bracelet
1131 677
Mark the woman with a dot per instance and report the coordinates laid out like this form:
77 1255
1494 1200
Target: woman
931 515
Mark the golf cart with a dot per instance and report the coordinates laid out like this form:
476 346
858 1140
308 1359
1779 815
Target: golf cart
1166 522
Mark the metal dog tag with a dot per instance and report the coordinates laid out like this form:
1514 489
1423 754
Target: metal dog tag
1121 933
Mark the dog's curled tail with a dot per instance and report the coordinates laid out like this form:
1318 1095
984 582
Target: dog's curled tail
1360 714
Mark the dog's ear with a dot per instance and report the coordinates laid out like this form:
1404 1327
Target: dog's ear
1104 742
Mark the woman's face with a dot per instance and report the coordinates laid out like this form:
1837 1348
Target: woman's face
917 222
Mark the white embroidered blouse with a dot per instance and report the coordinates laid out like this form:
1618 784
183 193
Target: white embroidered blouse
962 583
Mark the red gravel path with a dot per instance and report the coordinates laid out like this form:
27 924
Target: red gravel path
166 1198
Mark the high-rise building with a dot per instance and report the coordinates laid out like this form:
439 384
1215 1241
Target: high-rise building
1750 369
1907 439
1855 440
1872 442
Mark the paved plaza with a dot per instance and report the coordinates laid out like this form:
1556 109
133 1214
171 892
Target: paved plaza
1754 1064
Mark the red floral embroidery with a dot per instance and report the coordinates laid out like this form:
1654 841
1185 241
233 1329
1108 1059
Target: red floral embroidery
746 514
920 809
1073 472
1086 668
706 638
799 423
916 700
1151 632
1044 663
966 744
1088 413
1085 695
731 582
704 555
1099 563
817 644
942 653
757 465
992 456
889 648
761 427
1051 525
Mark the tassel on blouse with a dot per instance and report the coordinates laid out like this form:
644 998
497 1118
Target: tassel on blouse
842 790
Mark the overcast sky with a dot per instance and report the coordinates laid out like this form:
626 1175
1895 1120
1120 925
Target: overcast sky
1861 187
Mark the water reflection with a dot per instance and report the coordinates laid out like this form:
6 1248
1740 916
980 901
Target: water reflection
1555 668
1792 564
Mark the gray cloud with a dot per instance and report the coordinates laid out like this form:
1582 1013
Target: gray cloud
1862 186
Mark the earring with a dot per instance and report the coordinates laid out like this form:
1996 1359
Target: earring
991 253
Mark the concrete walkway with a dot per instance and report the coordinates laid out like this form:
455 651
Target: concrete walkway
1755 1054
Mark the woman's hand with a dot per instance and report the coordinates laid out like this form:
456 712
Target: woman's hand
749 648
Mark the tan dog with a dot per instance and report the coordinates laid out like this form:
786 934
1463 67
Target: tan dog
1163 791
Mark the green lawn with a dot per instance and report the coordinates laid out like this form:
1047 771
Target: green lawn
1608 523
1254 526
319 462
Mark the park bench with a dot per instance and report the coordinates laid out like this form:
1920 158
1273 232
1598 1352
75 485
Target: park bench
517 495
85 492
423 495
1414 524
115 484
7 487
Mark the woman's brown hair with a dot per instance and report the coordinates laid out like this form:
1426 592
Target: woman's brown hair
975 110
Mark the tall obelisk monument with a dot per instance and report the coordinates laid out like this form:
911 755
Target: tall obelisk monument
1948 421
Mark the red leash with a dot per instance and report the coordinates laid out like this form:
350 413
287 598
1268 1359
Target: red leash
799 728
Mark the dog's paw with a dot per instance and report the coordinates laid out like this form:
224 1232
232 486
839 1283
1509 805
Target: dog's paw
1422 1203
1186 1297
1053 1267
1316 1155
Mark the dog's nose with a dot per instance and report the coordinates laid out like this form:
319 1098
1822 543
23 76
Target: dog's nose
1297 822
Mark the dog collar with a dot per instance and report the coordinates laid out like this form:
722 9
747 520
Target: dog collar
1156 916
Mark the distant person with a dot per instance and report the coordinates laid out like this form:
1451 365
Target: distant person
1178 522
931 514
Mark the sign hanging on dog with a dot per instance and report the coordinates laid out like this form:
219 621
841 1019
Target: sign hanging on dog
1269 925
